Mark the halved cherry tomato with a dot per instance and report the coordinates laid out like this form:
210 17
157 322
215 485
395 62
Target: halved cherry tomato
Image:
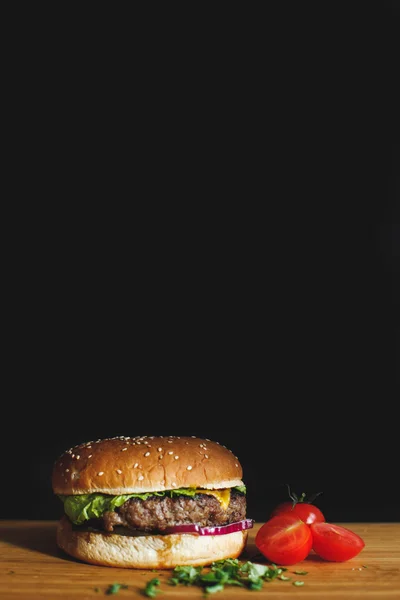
306 512
333 542
284 540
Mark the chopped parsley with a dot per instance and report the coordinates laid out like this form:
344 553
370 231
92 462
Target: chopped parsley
300 572
114 588
151 588
185 575
298 583
229 572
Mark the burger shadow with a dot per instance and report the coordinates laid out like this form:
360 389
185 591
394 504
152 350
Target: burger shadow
37 538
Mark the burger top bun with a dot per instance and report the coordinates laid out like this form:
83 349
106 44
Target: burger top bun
125 465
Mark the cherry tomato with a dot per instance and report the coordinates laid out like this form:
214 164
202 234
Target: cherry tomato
306 512
333 542
284 540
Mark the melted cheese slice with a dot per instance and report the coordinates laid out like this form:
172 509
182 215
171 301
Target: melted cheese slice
224 496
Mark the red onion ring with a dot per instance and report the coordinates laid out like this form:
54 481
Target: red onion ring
220 530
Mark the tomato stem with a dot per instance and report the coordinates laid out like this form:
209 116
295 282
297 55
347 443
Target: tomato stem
303 498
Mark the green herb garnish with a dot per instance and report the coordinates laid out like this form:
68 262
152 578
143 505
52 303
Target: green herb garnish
300 572
212 589
114 588
298 583
222 573
284 578
185 575
151 588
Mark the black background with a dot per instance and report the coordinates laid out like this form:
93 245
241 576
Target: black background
241 284
285 348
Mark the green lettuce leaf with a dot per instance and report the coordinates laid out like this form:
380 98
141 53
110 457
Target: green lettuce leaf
182 492
240 488
91 506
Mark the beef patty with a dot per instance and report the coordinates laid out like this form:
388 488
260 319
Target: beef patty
158 513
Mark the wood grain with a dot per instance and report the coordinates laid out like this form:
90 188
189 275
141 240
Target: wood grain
32 567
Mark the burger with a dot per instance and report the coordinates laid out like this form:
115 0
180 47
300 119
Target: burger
151 502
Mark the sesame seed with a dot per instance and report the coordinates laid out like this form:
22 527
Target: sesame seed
206 456
119 471
140 478
90 455
161 456
67 470
135 465
101 473
173 484
123 449
189 467
88 446
236 465
159 449
169 441
176 457
193 436
187 443
171 452
138 443
73 456
77 457
147 454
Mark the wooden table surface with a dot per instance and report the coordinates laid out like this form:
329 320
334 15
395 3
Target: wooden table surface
31 567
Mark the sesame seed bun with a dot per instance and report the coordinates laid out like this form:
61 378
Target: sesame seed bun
126 465
148 551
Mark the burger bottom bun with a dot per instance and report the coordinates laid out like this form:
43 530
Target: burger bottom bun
148 551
